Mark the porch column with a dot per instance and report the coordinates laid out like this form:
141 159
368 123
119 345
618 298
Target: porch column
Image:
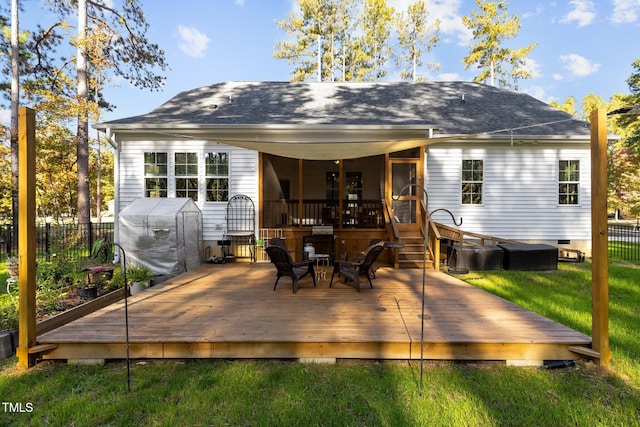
300 193
340 193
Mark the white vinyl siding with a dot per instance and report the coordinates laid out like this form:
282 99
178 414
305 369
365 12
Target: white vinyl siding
242 175
520 190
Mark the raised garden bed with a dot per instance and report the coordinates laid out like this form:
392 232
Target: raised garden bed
79 310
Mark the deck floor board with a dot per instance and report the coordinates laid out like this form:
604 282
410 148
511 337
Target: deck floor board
234 307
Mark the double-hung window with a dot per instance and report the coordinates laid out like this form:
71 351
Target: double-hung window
155 175
217 176
472 178
186 175
569 182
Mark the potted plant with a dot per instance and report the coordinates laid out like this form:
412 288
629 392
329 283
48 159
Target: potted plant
139 276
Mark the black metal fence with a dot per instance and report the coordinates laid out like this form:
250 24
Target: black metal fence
71 241
624 242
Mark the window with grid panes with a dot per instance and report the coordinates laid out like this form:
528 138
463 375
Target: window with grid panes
186 175
472 177
569 182
155 175
217 176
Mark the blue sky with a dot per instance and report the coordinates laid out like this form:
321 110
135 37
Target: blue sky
585 46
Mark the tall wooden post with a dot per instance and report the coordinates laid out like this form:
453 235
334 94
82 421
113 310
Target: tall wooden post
599 237
26 235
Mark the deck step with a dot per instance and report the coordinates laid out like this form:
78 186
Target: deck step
41 348
411 255
585 351
414 264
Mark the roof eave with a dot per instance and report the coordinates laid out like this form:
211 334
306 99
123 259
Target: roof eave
280 132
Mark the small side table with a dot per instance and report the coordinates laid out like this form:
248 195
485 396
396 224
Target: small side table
393 247
322 265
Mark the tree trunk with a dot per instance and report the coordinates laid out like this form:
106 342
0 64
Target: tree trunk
319 58
15 103
82 137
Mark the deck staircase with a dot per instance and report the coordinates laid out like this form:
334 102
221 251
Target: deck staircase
412 254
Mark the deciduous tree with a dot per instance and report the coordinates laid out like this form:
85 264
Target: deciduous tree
568 106
624 176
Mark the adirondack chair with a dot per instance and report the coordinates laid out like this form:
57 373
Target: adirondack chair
285 267
281 243
351 271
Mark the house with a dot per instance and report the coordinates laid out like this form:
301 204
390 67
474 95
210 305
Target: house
338 154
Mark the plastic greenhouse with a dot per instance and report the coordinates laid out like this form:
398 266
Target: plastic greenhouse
162 234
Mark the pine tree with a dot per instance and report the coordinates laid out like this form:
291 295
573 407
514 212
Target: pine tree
413 41
312 29
376 22
108 39
491 26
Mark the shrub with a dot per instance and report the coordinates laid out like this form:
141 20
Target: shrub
8 313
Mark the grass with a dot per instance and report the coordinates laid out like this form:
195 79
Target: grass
565 296
218 392
284 393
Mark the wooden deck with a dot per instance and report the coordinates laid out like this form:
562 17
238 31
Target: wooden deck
231 311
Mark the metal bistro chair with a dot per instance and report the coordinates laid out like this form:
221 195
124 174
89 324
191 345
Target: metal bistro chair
353 270
285 267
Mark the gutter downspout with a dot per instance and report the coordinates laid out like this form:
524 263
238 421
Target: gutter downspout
116 187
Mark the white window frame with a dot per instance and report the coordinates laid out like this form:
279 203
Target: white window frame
217 175
565 181
188 176
472 181
155 175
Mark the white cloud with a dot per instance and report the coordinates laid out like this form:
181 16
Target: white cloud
578 66
539 92
240 2
625 11
448 77
558 76
192 42
532 66
583 13
5 117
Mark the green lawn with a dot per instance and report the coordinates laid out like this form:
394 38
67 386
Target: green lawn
565 296
276 393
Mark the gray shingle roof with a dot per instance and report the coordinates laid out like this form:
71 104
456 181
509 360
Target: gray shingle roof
453 107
